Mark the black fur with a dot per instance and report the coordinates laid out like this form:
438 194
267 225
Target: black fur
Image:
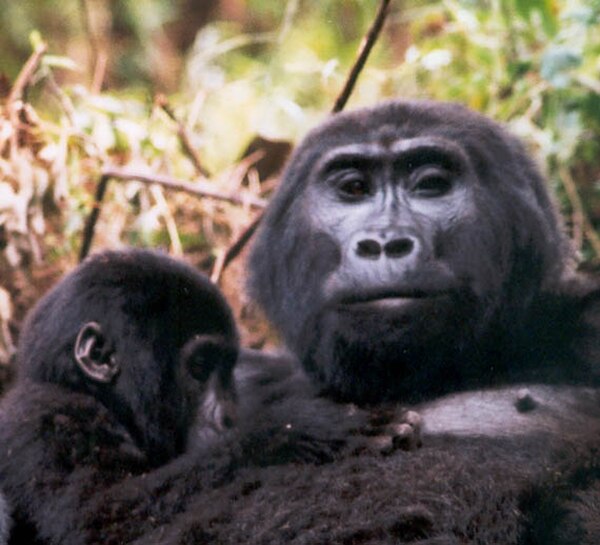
66 438
487 474
5 520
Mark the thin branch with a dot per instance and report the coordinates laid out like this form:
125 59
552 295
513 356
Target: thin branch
198 188
170 223
84 12
201 189
90 224
236 248
98 57
100 67
61 97
184 136
364 50
579 210
27 72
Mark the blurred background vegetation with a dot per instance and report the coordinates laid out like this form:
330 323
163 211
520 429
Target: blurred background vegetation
213 93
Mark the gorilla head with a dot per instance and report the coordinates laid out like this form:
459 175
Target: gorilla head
406 251
147 336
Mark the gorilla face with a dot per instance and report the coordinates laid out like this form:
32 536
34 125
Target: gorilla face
405 241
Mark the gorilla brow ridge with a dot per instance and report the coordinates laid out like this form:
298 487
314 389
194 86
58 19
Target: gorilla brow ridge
414 152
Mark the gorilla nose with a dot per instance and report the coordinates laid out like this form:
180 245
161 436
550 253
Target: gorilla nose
369 248
372 248
399 247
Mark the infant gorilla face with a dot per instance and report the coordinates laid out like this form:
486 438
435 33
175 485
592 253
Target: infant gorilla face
148 336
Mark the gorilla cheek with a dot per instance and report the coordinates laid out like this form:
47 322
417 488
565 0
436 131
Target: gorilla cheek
309 271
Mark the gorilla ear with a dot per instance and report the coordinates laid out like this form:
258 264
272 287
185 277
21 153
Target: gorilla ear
204 354
93 355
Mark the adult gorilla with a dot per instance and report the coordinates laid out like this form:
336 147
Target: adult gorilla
413 250
413 254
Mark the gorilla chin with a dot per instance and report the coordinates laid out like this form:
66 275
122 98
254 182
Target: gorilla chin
367 344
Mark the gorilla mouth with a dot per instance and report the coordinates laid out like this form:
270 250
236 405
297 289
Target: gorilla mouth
386 299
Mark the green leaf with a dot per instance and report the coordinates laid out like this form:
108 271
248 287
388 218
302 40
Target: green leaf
545 8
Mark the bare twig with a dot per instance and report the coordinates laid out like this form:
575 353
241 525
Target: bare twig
61 97
170 222
236 248
200 189
366 45
581 218
90 224
99 72
84 12
99 57
27 72
363 53
14 101
184 136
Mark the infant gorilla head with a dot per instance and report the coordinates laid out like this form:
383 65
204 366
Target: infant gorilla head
412 249
115 366
147 336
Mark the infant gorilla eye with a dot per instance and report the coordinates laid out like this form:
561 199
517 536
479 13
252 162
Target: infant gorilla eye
432 185
352 186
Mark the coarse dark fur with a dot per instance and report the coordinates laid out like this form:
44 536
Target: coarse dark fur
488 473
114 365
479 288
5 520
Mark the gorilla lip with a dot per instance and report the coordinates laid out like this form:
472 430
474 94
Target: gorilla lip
387 299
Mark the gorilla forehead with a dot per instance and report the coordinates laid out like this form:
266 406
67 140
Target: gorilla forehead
394 120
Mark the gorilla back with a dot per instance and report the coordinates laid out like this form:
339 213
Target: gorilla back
413 250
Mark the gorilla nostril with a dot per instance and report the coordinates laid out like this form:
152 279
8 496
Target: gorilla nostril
398 247
368 248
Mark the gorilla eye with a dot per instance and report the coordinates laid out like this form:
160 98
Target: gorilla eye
353 186
432 185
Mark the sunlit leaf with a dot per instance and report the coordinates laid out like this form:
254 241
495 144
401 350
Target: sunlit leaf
59 61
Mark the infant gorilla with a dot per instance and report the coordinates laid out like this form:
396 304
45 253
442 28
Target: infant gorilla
115 366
